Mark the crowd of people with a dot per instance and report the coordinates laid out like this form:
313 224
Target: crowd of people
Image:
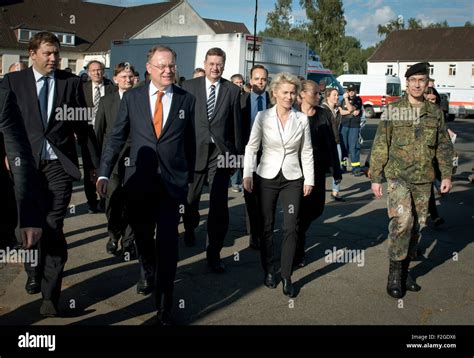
149 148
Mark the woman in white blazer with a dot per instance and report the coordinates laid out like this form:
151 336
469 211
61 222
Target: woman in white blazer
285 170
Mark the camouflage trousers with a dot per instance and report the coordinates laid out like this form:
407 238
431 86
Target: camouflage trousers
407 209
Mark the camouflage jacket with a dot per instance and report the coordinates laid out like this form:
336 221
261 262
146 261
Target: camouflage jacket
407 141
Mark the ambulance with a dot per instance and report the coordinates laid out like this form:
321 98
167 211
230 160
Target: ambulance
376 91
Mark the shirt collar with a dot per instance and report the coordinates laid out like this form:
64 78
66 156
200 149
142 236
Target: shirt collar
38 75
255 96
208 83
153 90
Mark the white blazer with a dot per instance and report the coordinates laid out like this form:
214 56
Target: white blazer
280 150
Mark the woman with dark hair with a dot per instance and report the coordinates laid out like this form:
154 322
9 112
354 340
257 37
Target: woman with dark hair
330 103
326 160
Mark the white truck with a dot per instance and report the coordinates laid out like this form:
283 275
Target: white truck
276 55
461 101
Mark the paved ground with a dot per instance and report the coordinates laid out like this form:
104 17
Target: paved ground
100 289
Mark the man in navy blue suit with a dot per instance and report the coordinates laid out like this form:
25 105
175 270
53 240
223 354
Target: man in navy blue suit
159 117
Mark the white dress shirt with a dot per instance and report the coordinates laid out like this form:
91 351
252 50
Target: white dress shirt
47 153
208 92
166 100
101 89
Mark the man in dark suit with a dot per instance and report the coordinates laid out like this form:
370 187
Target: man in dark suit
252 103
115 204
97 87
159 117
52 106
14 143
218 135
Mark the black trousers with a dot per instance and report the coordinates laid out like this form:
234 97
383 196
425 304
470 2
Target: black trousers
154 219
218 217
253 211
8 213
290 193
56 191
115 211
312 207
89 186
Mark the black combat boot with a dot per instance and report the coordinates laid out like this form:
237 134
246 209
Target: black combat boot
407 279
394 284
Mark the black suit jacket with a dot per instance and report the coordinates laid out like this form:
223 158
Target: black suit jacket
104 122
59 133
245 105
225 125
326 158
109 87
14 140
173 153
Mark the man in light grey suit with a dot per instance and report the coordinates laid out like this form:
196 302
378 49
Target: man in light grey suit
218 132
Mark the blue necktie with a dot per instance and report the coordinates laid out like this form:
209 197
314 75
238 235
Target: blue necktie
43 100
259 103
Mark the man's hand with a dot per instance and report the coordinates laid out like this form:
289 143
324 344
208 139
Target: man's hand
377 190
101 187
248 184
356 112
93 175
307 189
446 186
30 236
345 95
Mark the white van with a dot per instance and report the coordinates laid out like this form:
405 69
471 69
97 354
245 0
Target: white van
376 91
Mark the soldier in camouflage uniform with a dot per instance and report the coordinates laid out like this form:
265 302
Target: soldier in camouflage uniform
411 133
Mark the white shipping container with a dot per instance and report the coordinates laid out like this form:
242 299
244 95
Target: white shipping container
276 55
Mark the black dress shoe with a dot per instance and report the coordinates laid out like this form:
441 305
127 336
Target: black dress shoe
189 238
144 287
217 266
163 318
48 309
270 280
112 247
298 262
33 285
288 288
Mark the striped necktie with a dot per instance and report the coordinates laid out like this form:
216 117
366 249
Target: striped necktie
96 100
211 101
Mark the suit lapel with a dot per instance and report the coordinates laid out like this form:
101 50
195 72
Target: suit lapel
59 88
145 106
220 98
176 101
31 93
292 126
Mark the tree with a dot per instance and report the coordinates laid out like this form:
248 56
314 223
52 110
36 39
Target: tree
326 30
279 21
414 24
468 23
392 25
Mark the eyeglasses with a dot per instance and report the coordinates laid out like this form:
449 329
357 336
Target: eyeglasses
218 65
161 67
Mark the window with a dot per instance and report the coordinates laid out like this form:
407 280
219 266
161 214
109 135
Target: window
24 35
472 70
394 89
25 60
431 70
452 70
72 65
389 70
346 84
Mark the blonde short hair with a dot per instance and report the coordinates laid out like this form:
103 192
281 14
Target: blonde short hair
284 77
